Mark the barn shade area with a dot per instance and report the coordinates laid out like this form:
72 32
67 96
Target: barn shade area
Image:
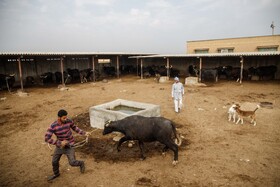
119 109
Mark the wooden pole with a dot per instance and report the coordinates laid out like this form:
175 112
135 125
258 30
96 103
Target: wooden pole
167 68
200 68
118 67
36 67
137 66
62 71
241 69
93 69
141 68
20 74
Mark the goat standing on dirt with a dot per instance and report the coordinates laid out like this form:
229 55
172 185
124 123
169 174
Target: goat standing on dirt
232 112
243 113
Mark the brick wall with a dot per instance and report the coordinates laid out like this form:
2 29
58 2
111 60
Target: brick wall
245 44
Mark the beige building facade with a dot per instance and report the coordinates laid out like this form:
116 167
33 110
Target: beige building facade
235 45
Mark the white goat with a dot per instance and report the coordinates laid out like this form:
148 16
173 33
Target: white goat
232 112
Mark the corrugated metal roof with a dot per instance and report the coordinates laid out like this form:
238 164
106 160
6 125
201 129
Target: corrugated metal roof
68 53
141 55
268 53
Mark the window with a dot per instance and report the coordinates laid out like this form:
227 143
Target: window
267 48
201 51
225 50
104 61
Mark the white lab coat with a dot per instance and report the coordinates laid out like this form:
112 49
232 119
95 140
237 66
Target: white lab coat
177 94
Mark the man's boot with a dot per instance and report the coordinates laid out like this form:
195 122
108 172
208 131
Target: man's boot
82 167
52 177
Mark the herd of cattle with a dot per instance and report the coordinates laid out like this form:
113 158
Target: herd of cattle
70 76
213 74
207 74
233 73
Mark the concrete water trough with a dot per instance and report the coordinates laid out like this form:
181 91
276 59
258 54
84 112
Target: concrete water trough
119 109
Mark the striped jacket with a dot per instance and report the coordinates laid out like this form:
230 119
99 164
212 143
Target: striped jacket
62 132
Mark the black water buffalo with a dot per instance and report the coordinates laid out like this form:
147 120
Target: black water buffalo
109 70
7 81
29 81
264 72
46 77
151 71
231 73
89 74
95 74
224 72
74 75
146 75
86 74
208 74
193 70
174 72
126 69
58 77
146 129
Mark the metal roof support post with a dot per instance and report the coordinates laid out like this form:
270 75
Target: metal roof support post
241 69
200 68
141 68
20 73
62 71
167 68
93 69
118 67
36 67
137 66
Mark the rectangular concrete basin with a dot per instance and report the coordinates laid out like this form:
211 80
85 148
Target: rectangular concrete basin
119 109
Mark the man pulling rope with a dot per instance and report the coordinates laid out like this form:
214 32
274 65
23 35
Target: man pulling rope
82 143
64 143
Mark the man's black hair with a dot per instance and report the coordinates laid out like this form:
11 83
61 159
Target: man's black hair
62 113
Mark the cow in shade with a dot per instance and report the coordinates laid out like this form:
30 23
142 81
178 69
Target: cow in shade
7 81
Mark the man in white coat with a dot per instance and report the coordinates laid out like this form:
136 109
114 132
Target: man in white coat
177 94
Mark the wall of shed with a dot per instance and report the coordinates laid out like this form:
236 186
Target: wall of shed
35 66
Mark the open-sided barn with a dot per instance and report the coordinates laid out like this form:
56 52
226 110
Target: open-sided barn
247 58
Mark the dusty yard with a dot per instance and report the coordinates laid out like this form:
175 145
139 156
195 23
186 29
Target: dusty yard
214 152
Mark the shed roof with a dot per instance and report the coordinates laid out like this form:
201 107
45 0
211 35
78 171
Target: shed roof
69 53
267 53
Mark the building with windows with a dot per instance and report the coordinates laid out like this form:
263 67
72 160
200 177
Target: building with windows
243 54
235 45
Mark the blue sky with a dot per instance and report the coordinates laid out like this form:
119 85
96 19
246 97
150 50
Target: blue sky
142 26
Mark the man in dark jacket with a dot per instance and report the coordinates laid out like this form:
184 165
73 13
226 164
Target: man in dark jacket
64 142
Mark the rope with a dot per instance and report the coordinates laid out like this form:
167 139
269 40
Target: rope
81 143
78 144
49 146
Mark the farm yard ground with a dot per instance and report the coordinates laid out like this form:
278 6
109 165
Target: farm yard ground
214 152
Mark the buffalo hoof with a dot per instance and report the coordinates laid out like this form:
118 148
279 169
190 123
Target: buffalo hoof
142 158
175 162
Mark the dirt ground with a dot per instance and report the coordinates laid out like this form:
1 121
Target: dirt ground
214 152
